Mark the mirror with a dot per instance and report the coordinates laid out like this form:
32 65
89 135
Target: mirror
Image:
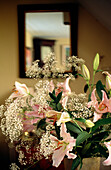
44 29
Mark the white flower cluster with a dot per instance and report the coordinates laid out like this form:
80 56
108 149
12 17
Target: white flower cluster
11 124
78 105
13 166
47 146
51 69
28 150
2 109
73 61
41 95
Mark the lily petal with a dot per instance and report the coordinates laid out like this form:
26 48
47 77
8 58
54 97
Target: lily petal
107 162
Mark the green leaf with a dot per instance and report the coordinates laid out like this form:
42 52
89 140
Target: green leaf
73 127
100 136
53 92
59 106
86 88
99 87
89 97
42 124
82 137
52 96
59 97
81 119
86 148
99 123
98 71
79 75
102 150
52 105
75 163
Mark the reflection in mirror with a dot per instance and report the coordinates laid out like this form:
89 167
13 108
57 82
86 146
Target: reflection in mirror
43 28
47 32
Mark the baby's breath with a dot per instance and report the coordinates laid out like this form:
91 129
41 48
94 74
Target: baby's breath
78 105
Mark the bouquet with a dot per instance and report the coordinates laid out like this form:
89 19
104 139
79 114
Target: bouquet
53 122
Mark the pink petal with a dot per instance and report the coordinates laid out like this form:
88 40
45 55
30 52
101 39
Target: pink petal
97 116
63 130
51 86
66 85
22 88
64 101
93 99
107 162
93 96
105 72
58 156
104 98
71 155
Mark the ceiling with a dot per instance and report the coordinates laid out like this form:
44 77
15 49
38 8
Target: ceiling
47 25
52 23
100 9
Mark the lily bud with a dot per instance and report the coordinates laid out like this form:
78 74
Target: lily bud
89 123
85 72
96 62
108 82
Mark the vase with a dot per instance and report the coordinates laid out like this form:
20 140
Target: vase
68 163
88 163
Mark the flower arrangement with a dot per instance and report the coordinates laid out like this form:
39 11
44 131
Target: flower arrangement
53 122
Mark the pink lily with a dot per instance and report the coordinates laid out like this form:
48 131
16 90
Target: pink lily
93 101
64 118
64 101
51 86
60 117
32 117
107 162
97 116
21 90
63 146
103 107
63 86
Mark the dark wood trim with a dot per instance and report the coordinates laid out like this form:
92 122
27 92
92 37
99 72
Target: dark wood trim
22 9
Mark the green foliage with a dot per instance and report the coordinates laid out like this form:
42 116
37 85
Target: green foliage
79 75
42 124
59 106
99 123
73 127
52 96
54 103
98 71
85 148
75 163
86 88
81 119
99 87
83 136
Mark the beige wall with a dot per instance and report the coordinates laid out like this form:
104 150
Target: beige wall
92 38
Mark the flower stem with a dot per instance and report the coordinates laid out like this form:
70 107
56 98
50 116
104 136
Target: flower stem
31 165
78 125
93 81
